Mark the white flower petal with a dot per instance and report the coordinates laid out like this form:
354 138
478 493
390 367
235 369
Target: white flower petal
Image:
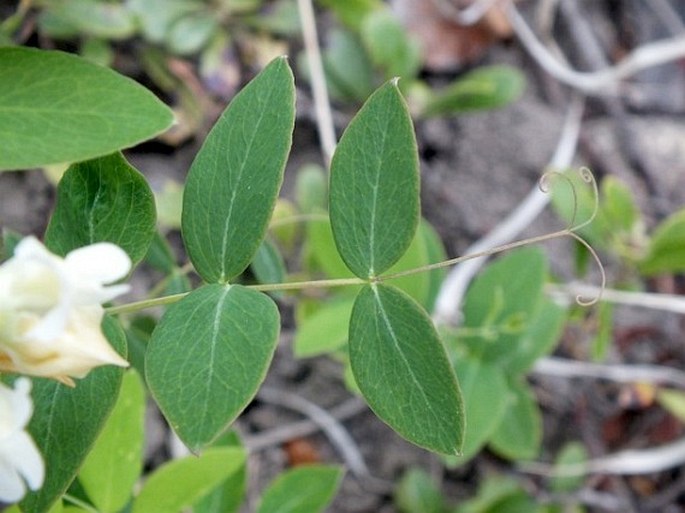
20 460
100 263
12 487
24 456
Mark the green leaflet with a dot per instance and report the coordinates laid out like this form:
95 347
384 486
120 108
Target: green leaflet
307 489
207 358
402 369
114 464
180 483
487 87
486 400
519 435
374 185
66 421
233 183
666 250
56 107
103 199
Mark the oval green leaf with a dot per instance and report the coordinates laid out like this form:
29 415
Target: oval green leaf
374 185
114 464
486 400
519 435
307 489
103 199
178 484
488 87
207 358
66 422
234 181
666 251
402 369
56 107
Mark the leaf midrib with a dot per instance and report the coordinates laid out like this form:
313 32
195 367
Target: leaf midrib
388 325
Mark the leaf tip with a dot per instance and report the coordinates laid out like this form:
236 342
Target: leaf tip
395 81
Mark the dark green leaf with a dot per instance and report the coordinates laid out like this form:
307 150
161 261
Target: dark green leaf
104 199
307 489
56 107
234 181
374 191
207 358
66 422
401 368
488 87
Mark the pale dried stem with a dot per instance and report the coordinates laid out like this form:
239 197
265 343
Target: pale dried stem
334 430
663 302
322 105
453 289
468 15
602 82
628 462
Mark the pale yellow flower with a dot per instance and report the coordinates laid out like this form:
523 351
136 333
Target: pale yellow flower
50 309
21 465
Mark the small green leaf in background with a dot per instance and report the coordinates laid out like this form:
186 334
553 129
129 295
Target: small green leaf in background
234 180
192 32
573 453
115 462
352 12
325 330
666 251
104 199
416 492
505 297
208 356
374 185
349 73
401 368
229 495
311 189
390 46
601 342
519 435
180 483
488 87
618 204
95 18
306 489
155 17
70 109
486 400
268 265
673 401
499 495
539 338
66 422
